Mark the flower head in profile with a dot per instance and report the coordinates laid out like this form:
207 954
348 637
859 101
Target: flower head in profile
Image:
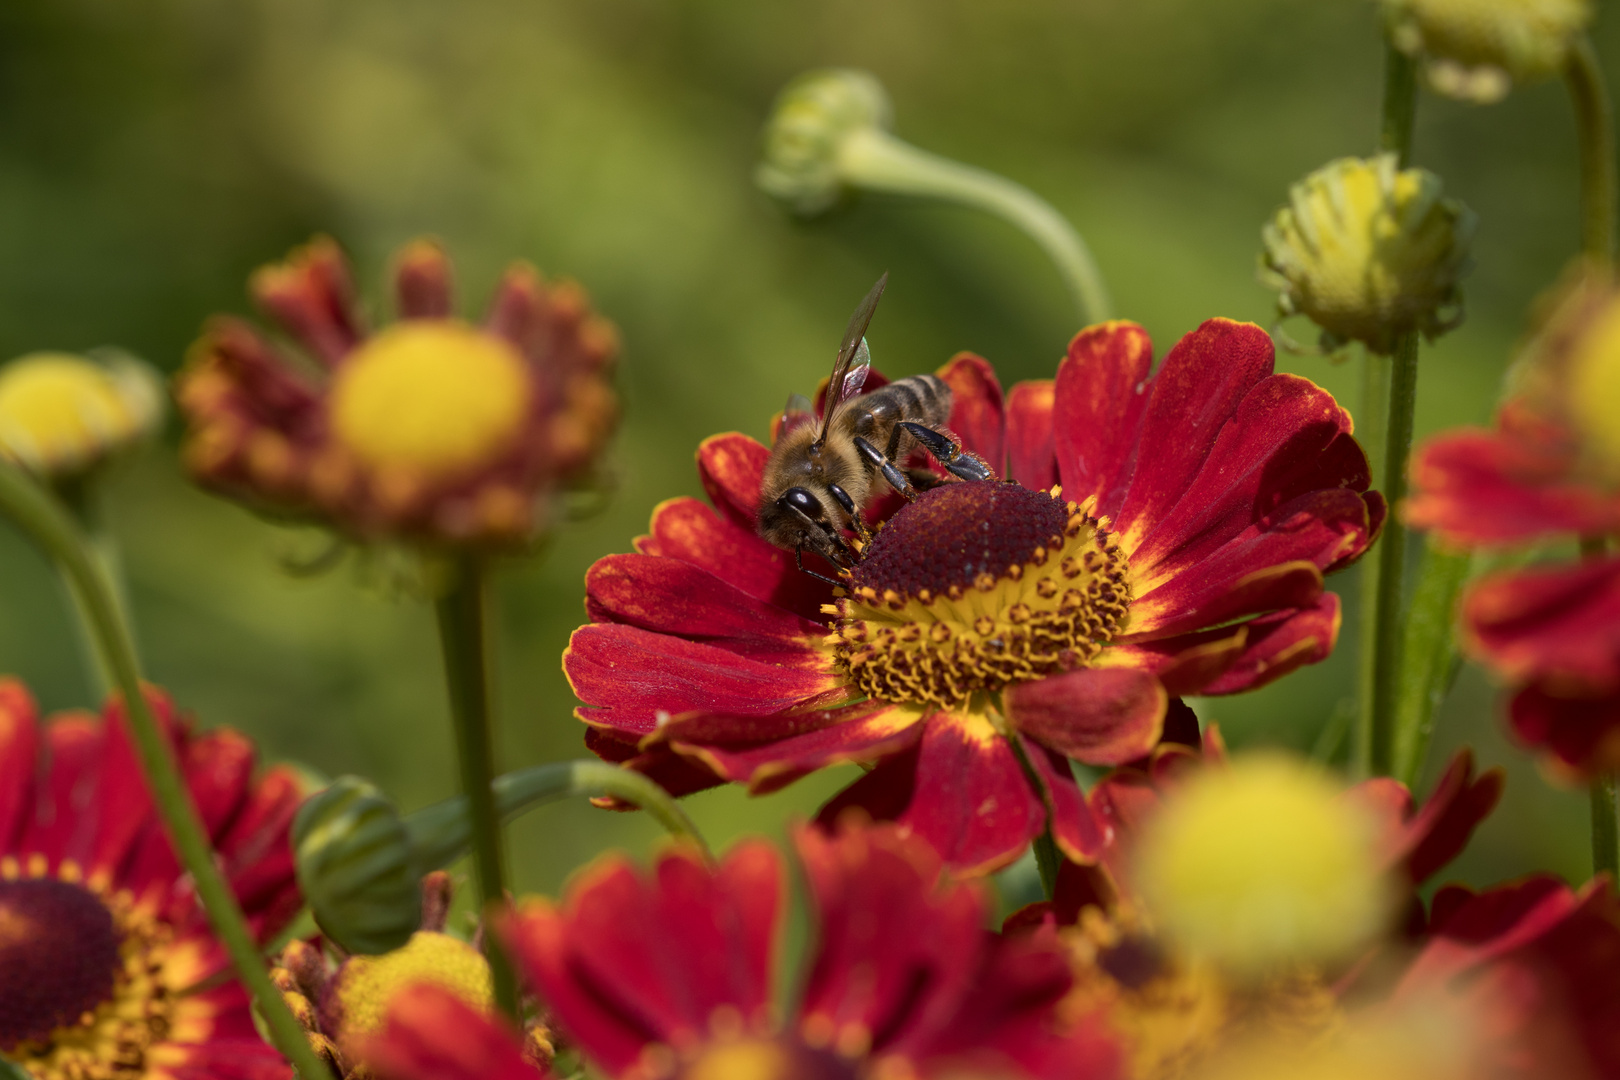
61 415
811 126
1548 471
671 974
108 968
431 429
1478 50
1369 252
1168 534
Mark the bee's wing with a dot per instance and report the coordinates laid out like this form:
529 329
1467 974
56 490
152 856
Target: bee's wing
854 358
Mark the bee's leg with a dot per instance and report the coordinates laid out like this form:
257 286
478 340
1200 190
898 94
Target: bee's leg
798 558
968 466
856 522
874 457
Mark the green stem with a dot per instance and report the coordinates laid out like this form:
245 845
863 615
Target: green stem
1605 835
83 499
1594 125
464 640
48 525
878 161
1400 105
1388 625
1047 862
1370 430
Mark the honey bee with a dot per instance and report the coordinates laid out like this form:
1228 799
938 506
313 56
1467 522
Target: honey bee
819 477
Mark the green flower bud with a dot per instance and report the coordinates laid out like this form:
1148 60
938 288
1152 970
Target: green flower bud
356 867
809 129
1477 50
1369 253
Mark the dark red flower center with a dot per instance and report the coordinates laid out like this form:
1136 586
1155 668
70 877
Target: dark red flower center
59 957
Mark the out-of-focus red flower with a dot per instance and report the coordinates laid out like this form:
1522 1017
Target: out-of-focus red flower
429 429
992 625
108 968
672 974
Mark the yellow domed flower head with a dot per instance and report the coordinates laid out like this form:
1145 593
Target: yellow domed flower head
62 414
815 119
1478 50
1369 252
432 429
1263 868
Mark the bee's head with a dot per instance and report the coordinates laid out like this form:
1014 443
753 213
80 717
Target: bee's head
797 518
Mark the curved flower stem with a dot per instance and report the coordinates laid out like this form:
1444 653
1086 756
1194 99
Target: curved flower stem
464 640
440 833
83 499
878 161
1594 124
48 525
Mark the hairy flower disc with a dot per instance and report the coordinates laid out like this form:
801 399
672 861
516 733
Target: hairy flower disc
81 988
366 984
432 396
972 587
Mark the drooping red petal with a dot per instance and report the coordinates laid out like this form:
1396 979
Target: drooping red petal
1193 395
670 596
768 753
1100 397
1439 831
686 529
675 773
1491 488
1560 626
431 1034
1185 664
732 467
1288 438
1101 716
1580 733
1031 459
1278 643
19 753
976 409
1076 830
961 788
1232 588
627 677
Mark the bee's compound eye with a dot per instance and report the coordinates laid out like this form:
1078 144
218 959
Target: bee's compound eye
802 501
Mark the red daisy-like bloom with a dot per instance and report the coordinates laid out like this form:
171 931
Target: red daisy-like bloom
671 975
992 631
429 429
108 968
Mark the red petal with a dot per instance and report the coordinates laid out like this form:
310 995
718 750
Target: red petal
961 788
674 773
1099 401
674 597
1076 830
732 467
518 309
627 676
422 281
1558 625
432 1034
1441 829
1288 438
1232 588
768 753
1503 487
19 754
976 410
312 296
1197 390
1184 664
1581 733
1278 643
1030 458
686 529
1101 716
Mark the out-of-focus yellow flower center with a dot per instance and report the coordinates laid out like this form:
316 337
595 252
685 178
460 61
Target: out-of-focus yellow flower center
747 1059
60 413
1593 394
1263 867
1421 1041
366 984
1477 49
434 397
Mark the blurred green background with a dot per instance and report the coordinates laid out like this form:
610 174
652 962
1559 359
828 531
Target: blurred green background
151 155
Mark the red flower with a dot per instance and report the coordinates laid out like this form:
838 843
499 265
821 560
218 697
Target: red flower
993 631
672 973
108 968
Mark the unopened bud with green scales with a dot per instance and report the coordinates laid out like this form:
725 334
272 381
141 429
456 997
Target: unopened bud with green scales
811 129
1369 252
1478 50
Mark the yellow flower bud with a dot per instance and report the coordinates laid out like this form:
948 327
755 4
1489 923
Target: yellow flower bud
1477 50
809 128
62 414
1263 867
1369 252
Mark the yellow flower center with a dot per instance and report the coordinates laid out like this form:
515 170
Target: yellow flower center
747 1059
972 587
433 397
1263 867
83 992
366 984
1594 390
60 413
